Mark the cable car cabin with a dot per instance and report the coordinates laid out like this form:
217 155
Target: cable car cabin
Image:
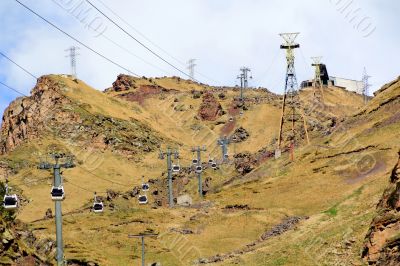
145 187
98 207
195 161
210 161
199 169
214 166
143 199
57 193
176 168
10 202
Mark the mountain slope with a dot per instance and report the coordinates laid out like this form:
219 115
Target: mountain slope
335 181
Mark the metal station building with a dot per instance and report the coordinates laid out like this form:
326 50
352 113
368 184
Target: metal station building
347 84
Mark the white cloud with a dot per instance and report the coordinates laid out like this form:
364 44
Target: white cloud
222 35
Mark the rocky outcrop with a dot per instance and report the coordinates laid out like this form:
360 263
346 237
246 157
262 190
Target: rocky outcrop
245 162
18 246
27 117
382 243
123 83
48 112
240 135
210 108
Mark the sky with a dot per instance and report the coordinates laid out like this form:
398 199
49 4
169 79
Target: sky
222 35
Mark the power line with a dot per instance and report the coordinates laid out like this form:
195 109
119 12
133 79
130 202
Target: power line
135 39
117 183
30 182
141 34
85 189
73 38
14 90
26 71
151 42
102 178
129 52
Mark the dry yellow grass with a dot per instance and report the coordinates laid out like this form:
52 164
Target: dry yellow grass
321 184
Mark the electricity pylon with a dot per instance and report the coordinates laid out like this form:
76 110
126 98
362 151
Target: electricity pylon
291 107
366 85
244 80
72 55
141 237
191 66
162 155
198 150
58 183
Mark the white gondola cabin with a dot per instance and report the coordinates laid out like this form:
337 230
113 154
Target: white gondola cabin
143 199
98 206
199 169
57 193
10 202
176 168
145 187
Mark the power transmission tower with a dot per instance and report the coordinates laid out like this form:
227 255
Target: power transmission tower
58 184
291 109
169 153
223 142
191 66
141 237
366 85
198 170
244 80
72 55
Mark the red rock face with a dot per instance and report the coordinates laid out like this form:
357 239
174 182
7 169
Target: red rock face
382 243
123 83
210 109
142 93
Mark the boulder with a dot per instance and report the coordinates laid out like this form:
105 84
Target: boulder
184 200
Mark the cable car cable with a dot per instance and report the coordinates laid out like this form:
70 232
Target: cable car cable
75 39
138 41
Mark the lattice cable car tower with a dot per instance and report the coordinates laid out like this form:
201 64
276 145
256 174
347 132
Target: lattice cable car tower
244 80
291 107
72 55
317 77
58 195
191 66
366 86
317 83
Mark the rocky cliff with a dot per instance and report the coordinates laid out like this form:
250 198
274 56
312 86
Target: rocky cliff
26 117
18 246
382 243
48 112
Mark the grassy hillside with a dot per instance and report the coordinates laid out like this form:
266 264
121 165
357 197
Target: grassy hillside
335 181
